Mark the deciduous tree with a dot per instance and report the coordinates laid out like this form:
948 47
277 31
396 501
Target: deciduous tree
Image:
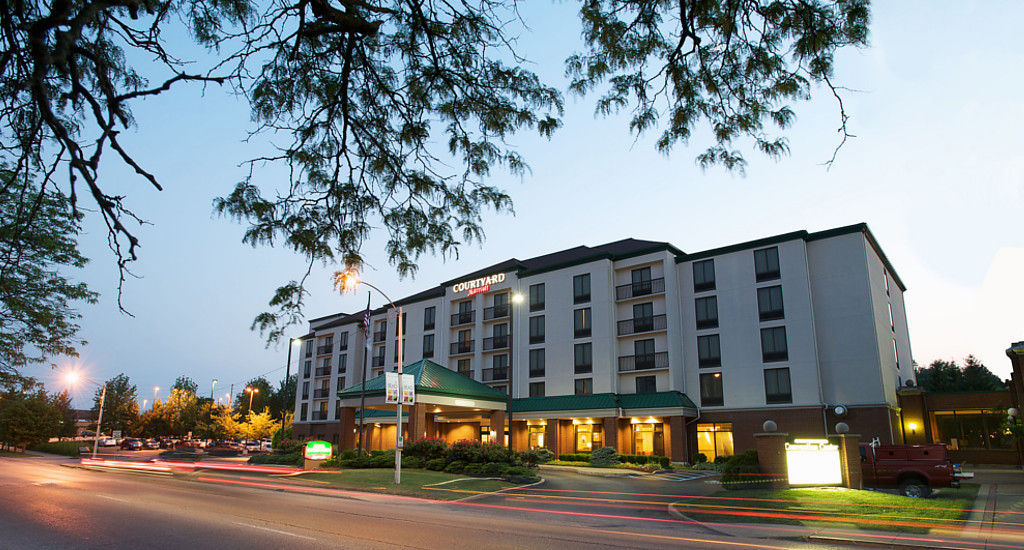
121 406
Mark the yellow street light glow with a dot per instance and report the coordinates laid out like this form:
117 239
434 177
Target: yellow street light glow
346 281
72 378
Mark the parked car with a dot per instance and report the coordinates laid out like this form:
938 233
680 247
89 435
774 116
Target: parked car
151 444
251 446
108 442
914 469
131 444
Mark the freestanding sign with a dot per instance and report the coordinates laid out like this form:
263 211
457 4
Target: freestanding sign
317 450
813 462
399 388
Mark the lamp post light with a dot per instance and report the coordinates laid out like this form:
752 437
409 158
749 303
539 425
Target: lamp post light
517 298
252 393
347 281
155 389
212 386
287 377
73 378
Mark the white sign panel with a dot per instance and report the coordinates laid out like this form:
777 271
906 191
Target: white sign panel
813 462
391 387
408 389
393 391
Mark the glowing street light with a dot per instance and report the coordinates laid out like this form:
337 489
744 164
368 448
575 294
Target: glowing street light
252 393
73 378
155 389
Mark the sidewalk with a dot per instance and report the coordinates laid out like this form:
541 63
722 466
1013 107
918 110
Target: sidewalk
588 471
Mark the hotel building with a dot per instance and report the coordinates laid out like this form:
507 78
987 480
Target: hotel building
634 344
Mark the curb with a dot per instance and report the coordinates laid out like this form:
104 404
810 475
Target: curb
611 472
835 539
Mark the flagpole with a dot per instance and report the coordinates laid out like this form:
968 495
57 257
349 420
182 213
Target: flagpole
362 385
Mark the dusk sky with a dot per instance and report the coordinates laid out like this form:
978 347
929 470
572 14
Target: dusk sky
936 170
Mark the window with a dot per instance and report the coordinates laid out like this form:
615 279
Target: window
641 279
337 412
536 389
776 386
306 369
709 351
537 297
649 439
583 361
305 390
773 344
643 317
405 325
537 437
342 363
646 384
766 264
584 386
971 429
341 383
537 329
589 437
643 354
429 315
715 440
405 351
892 324
343 341
896 354
464 368
711 389
707 312
769 303
326 363
536 363
305 411
500 363
428 345
885 277
581 288
581 323
703 275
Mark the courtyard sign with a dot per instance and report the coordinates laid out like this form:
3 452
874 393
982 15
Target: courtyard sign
317 450
813 462
476 286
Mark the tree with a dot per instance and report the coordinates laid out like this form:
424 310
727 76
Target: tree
948 377
38 232
282 400
186 384
121 406
27 414
259 425
259 400
396 112
61 403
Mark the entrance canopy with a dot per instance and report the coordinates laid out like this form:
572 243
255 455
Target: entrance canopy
435 385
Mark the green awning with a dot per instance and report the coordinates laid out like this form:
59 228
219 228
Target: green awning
431 379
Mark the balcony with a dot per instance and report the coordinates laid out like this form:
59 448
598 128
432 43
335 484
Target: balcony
497 342
325 349
583 368
323 371
536 338
343 346
463 317
309 351
647 361
458 348
642 324
380 336
378 361
319 415
494 375
581 332
640 288
322 393
771 314
496 312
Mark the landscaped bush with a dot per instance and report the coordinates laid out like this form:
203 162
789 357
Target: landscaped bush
574 457
427 448
544 455
740 471
477 452
412 462
495 469
383 459
662 461
710 466
66 448
474 469
604 457
455 467
517 473
721 459
436 464
347 454
529 458
290 459
286 445
700 458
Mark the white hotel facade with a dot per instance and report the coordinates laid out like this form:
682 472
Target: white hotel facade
635 344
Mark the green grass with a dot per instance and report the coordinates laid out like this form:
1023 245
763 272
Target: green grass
415 482
66 448
15 455
835 507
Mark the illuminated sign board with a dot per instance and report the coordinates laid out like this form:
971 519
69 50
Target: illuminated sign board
476 286
813 462
317 450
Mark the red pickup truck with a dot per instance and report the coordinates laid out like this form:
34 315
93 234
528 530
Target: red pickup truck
914 469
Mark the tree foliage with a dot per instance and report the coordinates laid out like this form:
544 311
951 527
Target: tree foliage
948 377
185 384
391 115
38 232
28 415
121 405
260 399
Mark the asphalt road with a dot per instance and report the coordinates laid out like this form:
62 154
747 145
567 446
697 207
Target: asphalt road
44 504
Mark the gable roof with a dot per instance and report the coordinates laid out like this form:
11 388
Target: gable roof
431 379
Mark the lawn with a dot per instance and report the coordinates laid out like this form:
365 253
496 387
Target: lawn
415 482
836 507
16 454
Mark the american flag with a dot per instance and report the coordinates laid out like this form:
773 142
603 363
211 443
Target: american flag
366 322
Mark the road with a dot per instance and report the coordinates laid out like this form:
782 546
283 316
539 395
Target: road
44 504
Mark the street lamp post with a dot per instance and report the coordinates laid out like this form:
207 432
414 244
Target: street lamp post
287 377
212 387
155 389
72 379
252 393
517 298
346 281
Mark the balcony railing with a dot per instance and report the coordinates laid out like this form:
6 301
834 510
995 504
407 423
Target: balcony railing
494 375
461 347
319 415
645 361
497 342
583 368
581 332
321 393
380 336
466 373
309 351
378 361
342 346
324 349
642 324
536 338
640 288
496 312
771 314
323 371
463 317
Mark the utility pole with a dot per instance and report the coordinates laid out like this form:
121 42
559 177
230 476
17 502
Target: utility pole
287 377
212 386
231 396
99 421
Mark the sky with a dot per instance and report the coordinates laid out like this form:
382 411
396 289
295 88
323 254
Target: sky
936 170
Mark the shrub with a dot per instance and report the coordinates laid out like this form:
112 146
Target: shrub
520 474
473 469
427 448
66 448
700 458
386 459
347 454
657 460
544 455
604 457
379 452
477 452
721 459
290 459
436 464
455 467
574 457
281 437
737 473
287 446
496 469
529 458
412 462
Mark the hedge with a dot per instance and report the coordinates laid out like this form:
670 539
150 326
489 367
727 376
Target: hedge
663 461
740 471
290 459
574 457
66 448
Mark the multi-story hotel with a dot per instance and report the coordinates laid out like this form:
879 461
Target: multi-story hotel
634 344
